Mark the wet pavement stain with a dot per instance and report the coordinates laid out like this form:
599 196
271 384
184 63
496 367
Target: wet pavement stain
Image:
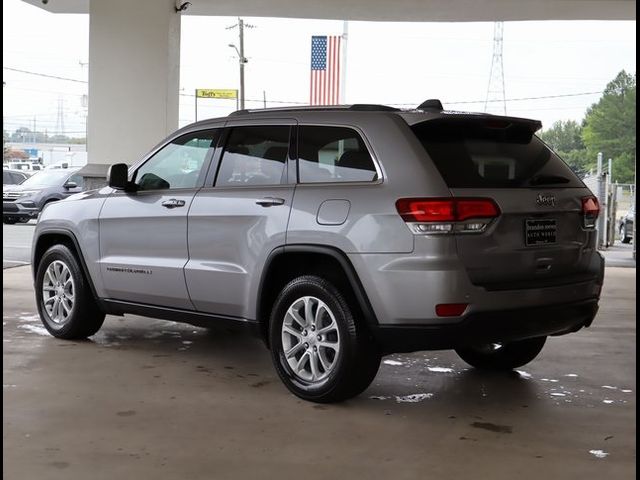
261 383
59 464
126 413
492 427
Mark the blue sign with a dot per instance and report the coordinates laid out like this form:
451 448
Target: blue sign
32 152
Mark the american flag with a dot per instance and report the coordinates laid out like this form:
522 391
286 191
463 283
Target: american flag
325 70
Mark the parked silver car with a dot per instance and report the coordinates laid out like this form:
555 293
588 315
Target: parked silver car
340 234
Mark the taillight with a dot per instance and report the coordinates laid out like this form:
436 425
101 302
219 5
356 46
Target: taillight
447 215
450 309
590 211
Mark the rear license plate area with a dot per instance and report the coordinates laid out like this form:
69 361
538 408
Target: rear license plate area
540 231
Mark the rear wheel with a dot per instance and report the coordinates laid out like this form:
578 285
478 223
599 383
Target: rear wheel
623 234
502 356
65 302
320 351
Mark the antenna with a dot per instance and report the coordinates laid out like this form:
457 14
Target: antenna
496 100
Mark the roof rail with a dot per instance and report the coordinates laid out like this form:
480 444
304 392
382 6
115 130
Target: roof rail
358 107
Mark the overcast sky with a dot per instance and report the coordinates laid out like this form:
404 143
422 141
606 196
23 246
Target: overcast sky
393 63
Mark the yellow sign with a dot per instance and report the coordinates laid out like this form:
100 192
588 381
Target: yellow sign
216 93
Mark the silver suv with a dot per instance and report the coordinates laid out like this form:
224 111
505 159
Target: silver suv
339 234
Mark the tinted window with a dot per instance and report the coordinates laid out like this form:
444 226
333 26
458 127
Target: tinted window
333 154
178 164
7 178
470 154
254 156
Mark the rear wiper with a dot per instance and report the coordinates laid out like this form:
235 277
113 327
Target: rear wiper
548 179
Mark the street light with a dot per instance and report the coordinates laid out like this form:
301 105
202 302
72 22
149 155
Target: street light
241 61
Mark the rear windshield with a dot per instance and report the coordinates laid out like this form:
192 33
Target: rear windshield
492 154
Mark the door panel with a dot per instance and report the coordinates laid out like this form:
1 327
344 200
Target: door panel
230 238
144 247
143 234
236 224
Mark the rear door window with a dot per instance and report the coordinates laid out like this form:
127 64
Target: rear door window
254 155
484 154
333 154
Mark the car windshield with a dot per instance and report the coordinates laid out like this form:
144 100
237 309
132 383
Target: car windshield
47 178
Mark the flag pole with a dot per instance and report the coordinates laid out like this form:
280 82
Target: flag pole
343 73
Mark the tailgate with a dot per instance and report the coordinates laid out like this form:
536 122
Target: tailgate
537 241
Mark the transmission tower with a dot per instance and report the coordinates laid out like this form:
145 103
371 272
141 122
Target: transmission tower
496 101
60 117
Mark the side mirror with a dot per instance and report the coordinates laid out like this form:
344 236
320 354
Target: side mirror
70 185
118 176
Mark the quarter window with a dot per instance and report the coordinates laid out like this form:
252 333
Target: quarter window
178 164
254 156
333 154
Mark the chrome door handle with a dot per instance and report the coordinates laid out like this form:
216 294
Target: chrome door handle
270 201
173 203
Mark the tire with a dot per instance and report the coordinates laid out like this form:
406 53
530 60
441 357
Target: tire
76 314
506 356
343 370
623 234
9 220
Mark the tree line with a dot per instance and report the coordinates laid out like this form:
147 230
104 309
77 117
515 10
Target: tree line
609 126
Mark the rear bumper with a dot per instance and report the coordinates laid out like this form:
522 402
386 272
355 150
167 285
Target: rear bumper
488 327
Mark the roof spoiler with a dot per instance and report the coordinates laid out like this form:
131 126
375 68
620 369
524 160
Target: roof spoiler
431 104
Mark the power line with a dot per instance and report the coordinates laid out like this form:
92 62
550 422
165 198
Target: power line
519 99
37 74
291 102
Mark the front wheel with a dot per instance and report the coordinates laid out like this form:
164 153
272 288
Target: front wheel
320 351
502 356
65 302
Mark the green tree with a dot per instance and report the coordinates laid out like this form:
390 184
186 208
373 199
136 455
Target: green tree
565 137
610 126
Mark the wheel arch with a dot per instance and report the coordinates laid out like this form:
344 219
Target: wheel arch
50 237
290 261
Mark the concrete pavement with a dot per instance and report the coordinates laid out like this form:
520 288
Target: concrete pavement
153 399
16 244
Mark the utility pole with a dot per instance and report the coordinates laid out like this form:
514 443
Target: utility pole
242 60
343 72
85 107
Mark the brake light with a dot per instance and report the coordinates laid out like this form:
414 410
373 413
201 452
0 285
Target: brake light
480 208
590 211
446 215
451 309
421 210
